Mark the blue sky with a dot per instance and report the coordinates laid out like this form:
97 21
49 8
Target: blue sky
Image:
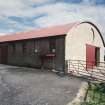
25 15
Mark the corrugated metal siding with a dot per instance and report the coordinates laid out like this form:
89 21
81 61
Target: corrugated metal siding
33 59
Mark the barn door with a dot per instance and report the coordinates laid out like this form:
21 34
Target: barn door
3 54
90 56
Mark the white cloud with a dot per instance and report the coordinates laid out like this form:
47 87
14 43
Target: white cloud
2 34
8 7
15 8
57 19
61 13
40 1
58 13
21 8
88 2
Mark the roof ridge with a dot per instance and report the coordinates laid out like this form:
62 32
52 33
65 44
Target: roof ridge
37 33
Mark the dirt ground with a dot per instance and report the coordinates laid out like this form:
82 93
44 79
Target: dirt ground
27 86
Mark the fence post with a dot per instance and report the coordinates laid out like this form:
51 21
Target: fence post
78 66
66 66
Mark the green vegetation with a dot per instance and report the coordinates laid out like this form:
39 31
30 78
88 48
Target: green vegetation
95 95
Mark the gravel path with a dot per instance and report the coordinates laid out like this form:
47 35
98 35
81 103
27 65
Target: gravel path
27 86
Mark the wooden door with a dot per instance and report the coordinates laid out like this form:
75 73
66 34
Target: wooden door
90 56
4 54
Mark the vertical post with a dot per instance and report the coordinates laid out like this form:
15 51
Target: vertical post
92 69
78 66
53 62
66 66
70 65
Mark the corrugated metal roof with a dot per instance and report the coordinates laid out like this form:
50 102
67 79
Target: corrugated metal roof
39 33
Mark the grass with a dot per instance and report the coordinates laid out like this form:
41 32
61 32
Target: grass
96 94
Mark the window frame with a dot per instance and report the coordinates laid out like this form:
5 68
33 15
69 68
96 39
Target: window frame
24 48
13 48
52 45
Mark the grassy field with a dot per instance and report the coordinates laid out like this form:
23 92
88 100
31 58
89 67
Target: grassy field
95 95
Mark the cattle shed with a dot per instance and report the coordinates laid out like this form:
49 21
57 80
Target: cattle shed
51 47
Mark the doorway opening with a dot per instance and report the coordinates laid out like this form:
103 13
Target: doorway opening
3 54
92 56
97 56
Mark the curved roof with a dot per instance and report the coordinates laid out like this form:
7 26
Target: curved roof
96 29
45 32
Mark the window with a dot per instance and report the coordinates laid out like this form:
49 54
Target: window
52 45
36 46
93 33
24 47
13 48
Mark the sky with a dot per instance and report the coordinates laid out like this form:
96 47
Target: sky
26 15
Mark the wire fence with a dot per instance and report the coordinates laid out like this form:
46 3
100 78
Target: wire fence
80 68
